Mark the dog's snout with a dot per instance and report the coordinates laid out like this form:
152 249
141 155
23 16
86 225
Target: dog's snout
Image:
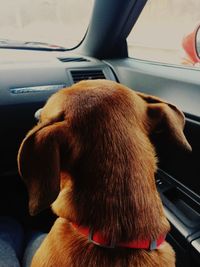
37 114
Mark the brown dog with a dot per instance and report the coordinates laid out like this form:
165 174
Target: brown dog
91 156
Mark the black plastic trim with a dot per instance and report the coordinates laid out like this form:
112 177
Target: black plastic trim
182 206
110 25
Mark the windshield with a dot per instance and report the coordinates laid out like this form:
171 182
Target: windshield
58 22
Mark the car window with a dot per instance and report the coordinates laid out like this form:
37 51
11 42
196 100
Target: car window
165 32
61 22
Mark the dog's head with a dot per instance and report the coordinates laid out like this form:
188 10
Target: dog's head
90 132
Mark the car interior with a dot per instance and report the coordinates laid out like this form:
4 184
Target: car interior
26 84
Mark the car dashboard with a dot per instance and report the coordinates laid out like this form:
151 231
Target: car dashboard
27 79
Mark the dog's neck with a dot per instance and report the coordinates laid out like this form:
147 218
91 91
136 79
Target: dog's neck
113 190
120 219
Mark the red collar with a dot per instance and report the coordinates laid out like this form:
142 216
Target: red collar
97 239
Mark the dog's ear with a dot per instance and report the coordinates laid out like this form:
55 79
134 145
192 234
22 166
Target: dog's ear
166 118
39 164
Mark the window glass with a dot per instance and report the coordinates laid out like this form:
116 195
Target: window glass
61 22
166 31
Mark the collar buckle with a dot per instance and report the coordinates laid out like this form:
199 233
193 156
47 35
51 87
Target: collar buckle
153 245
90 238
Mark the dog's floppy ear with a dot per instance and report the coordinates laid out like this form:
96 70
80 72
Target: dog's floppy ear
166 118
39 164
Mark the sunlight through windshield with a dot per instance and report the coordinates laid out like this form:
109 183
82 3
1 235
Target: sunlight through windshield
60 22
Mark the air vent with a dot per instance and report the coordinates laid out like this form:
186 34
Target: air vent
87 75
73 59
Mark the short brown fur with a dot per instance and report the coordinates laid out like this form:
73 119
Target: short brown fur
91 154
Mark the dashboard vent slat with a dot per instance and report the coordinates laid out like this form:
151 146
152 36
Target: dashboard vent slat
79 75
73 59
